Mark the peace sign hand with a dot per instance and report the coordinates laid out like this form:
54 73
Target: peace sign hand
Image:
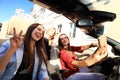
16 40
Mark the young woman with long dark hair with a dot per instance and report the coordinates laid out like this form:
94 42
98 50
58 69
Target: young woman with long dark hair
24 58
70 63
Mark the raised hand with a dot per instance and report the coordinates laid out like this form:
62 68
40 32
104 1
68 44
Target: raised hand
16 40
15 43
101 54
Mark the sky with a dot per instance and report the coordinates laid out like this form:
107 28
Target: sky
8 7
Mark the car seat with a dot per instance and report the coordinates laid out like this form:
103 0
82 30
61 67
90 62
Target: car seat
54 65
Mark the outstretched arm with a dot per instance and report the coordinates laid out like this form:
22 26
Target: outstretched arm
98 56
15 43
85 47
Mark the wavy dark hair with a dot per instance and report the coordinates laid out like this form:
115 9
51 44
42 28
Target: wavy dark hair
29 59
60 45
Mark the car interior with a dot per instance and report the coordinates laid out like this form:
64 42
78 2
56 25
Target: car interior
79 12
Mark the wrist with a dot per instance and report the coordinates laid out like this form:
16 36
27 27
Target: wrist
13 49
90 60
91 45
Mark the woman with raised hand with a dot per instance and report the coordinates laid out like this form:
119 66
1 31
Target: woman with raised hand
71 65
24 58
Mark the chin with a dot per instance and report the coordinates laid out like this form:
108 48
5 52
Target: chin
37 39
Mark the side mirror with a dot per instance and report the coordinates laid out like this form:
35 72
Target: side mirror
84 22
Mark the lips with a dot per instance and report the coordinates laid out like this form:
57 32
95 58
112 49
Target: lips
38 35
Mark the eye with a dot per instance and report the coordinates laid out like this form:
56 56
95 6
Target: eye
40 29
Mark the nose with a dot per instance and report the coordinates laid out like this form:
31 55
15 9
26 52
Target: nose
40 32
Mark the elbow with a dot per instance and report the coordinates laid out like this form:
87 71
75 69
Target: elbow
75 64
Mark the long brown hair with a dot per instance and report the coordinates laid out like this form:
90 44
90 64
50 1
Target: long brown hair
29 59
60 45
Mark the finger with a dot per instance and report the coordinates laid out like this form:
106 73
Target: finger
14 31
20 34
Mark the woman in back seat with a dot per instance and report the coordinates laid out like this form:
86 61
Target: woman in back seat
69 62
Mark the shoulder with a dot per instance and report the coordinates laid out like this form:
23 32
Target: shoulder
62 50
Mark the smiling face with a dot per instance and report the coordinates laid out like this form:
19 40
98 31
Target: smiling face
38 33
64 40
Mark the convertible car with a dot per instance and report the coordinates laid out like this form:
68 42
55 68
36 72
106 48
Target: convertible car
84 14
81 12
91 21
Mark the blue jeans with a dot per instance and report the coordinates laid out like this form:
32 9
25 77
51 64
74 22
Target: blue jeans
86 76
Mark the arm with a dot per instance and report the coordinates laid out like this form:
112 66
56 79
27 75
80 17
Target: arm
85 47
5 58
98 56
15 43
82 48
